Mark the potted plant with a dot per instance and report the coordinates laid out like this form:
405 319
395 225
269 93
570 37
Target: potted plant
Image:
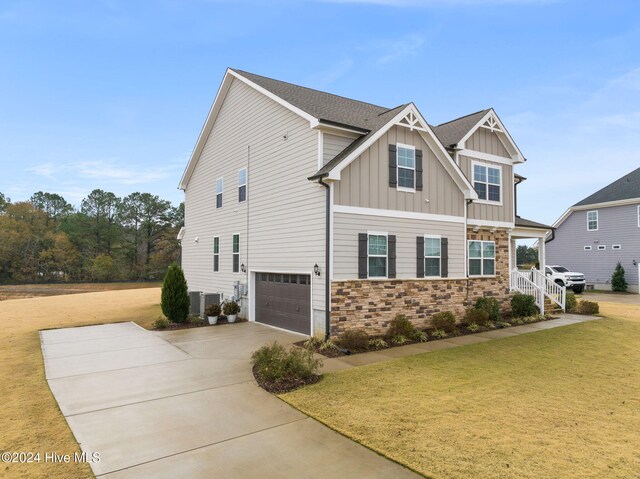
231 310
212 312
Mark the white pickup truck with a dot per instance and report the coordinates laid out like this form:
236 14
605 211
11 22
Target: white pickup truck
564 277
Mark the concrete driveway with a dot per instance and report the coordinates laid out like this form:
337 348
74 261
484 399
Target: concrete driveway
185 404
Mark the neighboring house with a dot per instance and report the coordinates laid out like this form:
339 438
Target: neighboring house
597 232
323 213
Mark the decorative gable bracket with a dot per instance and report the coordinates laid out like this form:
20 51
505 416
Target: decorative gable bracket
492 124
411 121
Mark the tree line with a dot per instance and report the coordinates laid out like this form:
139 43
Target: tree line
107 238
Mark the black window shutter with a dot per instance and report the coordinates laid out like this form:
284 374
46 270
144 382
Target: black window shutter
444 257
362 255
418 170
393 167
420 256
391 240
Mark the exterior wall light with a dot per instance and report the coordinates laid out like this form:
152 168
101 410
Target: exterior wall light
243 268
316 269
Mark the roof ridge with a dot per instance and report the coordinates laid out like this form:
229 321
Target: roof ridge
464 116
308 88
392 109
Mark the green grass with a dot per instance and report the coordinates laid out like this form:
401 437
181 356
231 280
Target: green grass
559 403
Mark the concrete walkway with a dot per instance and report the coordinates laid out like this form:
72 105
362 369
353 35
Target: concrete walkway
185 404
346 362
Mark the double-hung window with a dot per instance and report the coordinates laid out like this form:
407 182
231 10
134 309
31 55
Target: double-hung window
406 167
487 182
592 221
377 249
216 253
236 253
219 185
242 185
482 258
432 256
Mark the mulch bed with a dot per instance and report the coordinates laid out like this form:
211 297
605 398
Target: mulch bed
285 385
221 321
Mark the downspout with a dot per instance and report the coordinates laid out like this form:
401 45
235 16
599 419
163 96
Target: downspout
327 286
466 244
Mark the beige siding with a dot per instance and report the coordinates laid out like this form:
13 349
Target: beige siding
284 212
491 212
333 144
486 141
365 182
347 226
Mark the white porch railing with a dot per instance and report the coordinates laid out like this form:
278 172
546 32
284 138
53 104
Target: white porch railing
536 284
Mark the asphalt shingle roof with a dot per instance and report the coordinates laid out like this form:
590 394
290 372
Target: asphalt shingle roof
451 132
525 223
625 188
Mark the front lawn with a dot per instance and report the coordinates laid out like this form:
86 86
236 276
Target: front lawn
563 402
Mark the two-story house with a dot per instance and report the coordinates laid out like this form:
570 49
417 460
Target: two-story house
597 232
333 214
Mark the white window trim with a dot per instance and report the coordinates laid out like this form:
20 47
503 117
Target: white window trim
438 237
588 248
221 180
616 247
386 269
638 216
246 180
404 188
233 254
216 254
473 182
481 258
602 247
597 220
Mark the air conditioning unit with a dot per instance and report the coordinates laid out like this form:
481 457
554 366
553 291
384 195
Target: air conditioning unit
194 302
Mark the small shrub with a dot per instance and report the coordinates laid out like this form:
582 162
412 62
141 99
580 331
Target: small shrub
439 334
195 320
353 340
212 310
618 281
314 343
570 302
490 325
399 340
473 315
588 307
175 298
516 321
503 324
523 305
161 323
491 306
378 343
274 363
420 336
400 326
444 321
473 327
328 346
230 308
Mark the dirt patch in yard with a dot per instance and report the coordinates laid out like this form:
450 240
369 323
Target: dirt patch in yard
22 291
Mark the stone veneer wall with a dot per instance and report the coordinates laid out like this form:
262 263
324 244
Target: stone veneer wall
370 304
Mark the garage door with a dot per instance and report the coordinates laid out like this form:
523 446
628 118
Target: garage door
284 300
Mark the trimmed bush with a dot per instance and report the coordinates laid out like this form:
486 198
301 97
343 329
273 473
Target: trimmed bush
491 306
445 321
618 281
175 298
420 336
230 307
523 305
353 340
588 307
273 363
399 340
570 302
161 323
212 310
475 316
400 326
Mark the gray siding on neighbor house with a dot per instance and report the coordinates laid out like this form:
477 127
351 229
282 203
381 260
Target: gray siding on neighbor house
281 225
365 182
347 226
333 144
486 141
616 225
491 212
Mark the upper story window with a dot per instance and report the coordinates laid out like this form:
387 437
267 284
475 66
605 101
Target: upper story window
482 258
406 167
236 253
592 221
432 256
216 253
219 185
242 185
377 249
487 181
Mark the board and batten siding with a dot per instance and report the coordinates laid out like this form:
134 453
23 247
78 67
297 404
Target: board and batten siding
281 225
347 226
365 182
486 141
616 225
332 145
491 212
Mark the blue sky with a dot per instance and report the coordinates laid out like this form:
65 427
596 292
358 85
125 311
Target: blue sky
112 94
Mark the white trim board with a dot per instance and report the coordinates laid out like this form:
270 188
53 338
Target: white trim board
495 224
357 210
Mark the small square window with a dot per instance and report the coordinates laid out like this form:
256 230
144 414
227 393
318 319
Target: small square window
616 246
602 247
587 248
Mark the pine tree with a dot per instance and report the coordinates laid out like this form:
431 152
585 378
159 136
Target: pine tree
175 297
618 282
